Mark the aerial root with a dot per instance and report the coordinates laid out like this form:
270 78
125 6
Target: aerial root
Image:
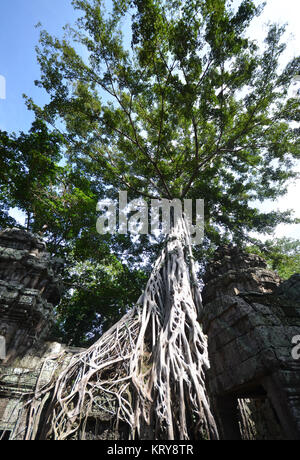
146 373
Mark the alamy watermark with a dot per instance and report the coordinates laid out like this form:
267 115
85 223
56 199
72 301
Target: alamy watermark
296 87
133 217
296 349
2 87
2 347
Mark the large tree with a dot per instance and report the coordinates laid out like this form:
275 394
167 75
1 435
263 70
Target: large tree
191 109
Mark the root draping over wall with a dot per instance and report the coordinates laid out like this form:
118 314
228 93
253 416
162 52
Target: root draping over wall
145 377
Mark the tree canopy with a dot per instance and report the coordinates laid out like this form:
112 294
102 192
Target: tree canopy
192 109
164 99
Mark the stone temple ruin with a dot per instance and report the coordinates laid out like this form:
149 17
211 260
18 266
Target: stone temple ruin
249 317
29 289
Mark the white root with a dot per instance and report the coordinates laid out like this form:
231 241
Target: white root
147 372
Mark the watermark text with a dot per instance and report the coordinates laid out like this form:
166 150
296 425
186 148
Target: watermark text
296 349
2 347
2 87
137 217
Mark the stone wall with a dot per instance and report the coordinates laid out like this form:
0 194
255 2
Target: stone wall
19 381
250 318
30 287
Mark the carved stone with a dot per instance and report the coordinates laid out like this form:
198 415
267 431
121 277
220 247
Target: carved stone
250 318
29 289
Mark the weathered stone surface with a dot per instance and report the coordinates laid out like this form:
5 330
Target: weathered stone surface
250 318
290 288
19 380
29 289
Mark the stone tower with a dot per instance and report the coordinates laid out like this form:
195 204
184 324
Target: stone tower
251 318
29 290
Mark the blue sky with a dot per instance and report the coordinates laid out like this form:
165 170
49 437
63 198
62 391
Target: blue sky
18 38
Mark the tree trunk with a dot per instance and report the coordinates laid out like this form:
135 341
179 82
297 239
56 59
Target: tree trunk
145 377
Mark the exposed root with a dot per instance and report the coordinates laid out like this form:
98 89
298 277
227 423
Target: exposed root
146 372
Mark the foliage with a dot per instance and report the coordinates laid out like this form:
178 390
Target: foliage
162 99
281 254
192 109
61 202
28 165
100 294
